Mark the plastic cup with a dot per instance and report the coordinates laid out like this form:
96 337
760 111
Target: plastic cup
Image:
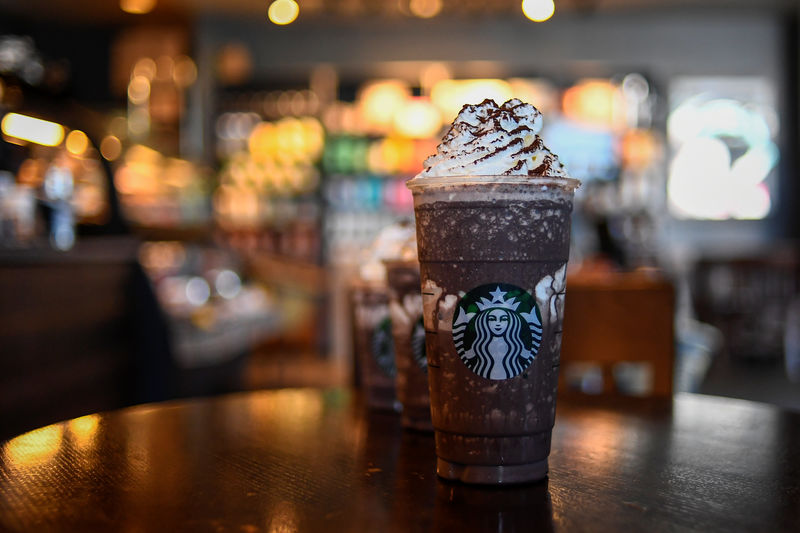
493 254
373 345
405 310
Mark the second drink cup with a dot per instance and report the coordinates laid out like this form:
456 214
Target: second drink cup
405 310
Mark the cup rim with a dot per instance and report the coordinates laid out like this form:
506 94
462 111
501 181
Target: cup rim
392 261
419 182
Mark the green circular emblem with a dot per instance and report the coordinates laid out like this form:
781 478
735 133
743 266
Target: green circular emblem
497 330
383 347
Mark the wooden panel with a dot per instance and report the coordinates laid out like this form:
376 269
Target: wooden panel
624 318
67 341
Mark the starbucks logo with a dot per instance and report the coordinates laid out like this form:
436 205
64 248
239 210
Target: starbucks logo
418 344
497 330
383 347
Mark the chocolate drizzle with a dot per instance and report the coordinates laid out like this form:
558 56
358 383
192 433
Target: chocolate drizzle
495 139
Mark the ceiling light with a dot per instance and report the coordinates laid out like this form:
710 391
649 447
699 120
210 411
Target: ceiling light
31 129
282 12
538 10
137 7
425 8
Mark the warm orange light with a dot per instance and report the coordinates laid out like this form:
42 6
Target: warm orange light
77 142
425 8
418 119
185 71
451 95
378 102
84 429
31 129
282 12
145 67
234 63
639 149
35 448
594 102
539 92
137 7
110 148
139 90
432 74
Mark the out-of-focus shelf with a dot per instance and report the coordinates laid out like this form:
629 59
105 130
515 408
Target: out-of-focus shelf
298 273
86 250
186 233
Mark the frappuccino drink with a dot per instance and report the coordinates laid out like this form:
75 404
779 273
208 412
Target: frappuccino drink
493 210
405 310
372 328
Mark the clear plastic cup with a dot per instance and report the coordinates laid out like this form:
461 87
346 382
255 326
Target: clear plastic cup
405 310
493 254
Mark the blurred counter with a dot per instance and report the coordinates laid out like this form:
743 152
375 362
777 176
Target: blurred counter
96 328
67 331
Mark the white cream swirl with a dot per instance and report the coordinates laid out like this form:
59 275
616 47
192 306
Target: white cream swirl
490 140
397 241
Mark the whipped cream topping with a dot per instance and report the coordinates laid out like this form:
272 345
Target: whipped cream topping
394 242
490 140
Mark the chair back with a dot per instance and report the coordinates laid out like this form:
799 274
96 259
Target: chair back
618 336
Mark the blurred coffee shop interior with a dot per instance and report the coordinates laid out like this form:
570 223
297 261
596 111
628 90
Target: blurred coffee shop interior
188 187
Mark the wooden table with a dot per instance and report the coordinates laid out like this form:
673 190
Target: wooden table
315 460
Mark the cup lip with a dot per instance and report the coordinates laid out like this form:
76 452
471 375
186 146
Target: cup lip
420 182
395 261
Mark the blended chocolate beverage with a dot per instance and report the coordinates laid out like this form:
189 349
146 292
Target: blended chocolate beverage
373 345
405 310
372 326
493 213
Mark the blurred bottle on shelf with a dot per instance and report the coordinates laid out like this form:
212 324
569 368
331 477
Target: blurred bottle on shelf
58 189
17 212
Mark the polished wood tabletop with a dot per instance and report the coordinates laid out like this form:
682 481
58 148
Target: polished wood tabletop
317 460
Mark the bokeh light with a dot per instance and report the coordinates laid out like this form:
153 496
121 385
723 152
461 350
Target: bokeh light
227 284
723 156
139 90
32 129
234 63
596 102
77 142
110 148
418 118
451 95
538 10
145 67
425 8
282 12
185 71
137 7
197 291
378 101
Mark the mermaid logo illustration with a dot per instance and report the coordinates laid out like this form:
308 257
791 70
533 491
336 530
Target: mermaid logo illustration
497 330
383 347
418 344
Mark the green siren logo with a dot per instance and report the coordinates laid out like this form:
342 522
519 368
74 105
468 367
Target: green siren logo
418 344
383 347
497 330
